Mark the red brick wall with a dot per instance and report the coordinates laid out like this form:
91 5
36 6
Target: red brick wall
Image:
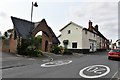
44 39
13 45
46 35
9 45
5 45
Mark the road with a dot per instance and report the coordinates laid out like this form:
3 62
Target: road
22 67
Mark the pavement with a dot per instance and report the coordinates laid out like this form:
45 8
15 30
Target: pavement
10 60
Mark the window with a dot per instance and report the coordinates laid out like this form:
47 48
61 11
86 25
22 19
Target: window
74 45
119 43
85 31
69 31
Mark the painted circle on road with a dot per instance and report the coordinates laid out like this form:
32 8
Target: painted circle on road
56 63
94 71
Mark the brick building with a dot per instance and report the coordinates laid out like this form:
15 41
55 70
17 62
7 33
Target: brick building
49 39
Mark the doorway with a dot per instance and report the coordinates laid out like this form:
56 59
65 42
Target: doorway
46 46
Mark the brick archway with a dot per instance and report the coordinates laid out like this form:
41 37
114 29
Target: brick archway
25 29
48 36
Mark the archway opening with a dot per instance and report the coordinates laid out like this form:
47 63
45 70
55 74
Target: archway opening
38 40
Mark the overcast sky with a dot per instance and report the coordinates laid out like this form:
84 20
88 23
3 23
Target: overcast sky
59 13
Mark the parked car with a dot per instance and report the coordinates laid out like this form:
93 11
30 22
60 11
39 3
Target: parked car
114 54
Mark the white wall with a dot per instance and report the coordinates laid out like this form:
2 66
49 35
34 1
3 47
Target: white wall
98 42
74 36
78 35
87 38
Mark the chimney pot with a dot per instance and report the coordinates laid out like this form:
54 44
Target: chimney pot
90 26
96 27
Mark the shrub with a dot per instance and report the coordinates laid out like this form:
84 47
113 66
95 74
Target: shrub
56 49
29 48
37 53
61 50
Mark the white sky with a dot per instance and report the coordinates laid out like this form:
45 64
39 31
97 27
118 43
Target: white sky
59 13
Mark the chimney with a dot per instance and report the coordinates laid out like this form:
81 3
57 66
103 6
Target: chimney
90 25
96 27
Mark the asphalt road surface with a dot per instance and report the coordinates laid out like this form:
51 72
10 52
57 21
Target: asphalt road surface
91 65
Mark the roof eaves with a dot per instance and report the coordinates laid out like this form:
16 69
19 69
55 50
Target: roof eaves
101 35
76 24
89 30
69 24
65 26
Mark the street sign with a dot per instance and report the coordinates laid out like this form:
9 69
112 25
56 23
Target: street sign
94 71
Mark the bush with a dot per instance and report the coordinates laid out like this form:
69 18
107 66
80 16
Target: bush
56 50
28 48
61 50
37 53
32 51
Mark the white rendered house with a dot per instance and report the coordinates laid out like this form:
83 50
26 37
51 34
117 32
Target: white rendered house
78 39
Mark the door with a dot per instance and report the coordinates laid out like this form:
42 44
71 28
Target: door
90 47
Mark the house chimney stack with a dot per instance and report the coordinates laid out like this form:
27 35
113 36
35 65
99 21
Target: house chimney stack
96 27
90 26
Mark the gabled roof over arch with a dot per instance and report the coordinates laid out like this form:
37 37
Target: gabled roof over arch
26 29
42 26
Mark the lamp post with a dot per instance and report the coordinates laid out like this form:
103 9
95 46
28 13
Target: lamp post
33 4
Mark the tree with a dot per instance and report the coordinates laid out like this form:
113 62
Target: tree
38 41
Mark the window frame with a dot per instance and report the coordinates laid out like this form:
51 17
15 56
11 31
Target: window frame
74 44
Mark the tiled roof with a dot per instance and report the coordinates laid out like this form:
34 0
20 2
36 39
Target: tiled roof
55 39
98 33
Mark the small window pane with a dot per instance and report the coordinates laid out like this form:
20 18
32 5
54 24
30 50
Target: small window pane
74 45
68 31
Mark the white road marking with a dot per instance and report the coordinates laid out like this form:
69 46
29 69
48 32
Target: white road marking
56 63
94 69
114 75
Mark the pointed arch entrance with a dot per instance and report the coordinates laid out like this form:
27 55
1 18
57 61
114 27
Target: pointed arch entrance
48 37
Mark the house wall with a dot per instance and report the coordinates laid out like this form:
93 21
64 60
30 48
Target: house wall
74 36
98 42
87 42
89 39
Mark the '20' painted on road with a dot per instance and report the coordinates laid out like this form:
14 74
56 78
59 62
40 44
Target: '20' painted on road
94 71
